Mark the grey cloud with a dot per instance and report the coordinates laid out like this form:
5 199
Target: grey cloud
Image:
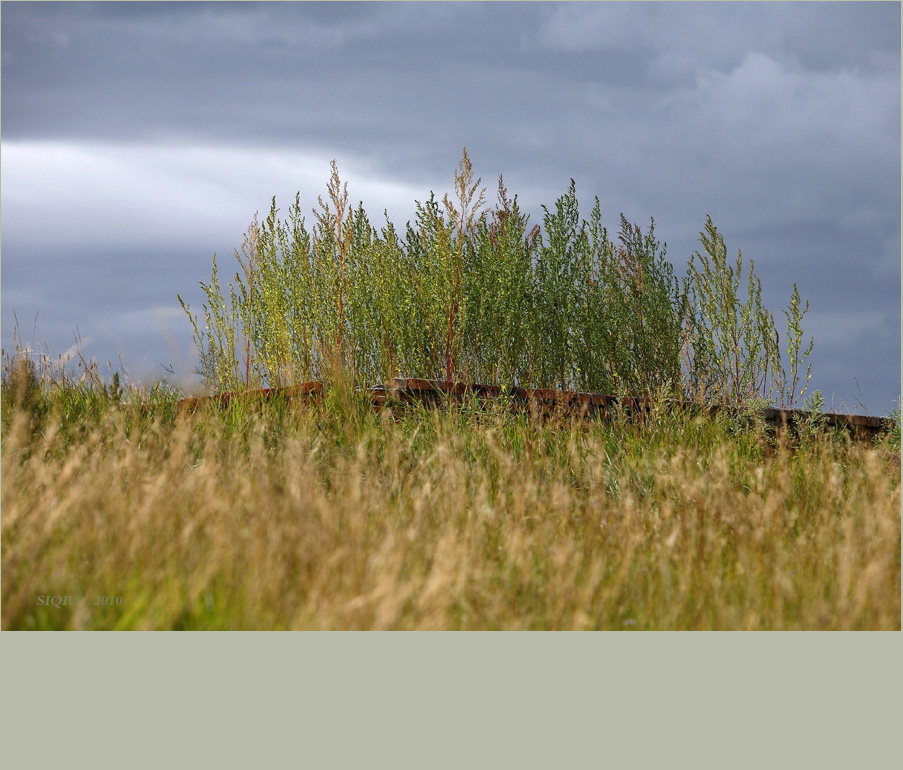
154 131
682 40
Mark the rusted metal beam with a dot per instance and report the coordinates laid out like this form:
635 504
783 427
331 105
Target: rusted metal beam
401 391
304 391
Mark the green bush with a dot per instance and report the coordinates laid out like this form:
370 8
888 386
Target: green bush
469 293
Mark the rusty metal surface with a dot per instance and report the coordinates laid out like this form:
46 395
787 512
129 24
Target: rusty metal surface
301 390
406 390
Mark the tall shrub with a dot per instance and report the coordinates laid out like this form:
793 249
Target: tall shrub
732 350
501 299
469 294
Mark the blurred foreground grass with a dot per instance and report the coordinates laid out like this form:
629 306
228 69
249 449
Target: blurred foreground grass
337 518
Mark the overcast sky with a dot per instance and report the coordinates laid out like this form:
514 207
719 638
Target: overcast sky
140 138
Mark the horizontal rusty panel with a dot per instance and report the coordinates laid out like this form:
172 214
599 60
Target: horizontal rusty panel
301 390
401 390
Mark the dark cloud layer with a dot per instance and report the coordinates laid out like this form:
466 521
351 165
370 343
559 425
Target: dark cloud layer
139 138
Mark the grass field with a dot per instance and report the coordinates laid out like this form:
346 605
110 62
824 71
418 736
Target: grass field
337 518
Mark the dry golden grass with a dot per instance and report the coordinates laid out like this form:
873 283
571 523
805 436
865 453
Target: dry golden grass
353 521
